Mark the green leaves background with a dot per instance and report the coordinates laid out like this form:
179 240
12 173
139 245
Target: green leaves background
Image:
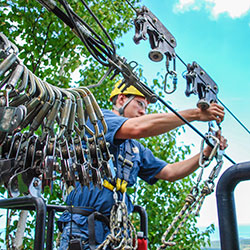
52 51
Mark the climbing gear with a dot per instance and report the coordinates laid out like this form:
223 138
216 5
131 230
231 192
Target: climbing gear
199 82
198 193
28 162
162 42
124 168
122 230
172 75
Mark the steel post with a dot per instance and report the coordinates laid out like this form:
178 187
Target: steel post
229 239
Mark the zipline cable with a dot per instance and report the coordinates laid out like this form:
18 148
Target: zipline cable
231 113
134 9
183 62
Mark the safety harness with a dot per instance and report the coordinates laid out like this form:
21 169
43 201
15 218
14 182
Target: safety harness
122 231
123 170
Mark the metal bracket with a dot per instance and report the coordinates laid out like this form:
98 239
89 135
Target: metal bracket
199 82
161 40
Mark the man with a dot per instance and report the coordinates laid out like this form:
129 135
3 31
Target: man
126 122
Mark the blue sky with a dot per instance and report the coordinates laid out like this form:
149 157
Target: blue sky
216 34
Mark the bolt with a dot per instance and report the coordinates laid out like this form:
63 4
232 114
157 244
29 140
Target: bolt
172 40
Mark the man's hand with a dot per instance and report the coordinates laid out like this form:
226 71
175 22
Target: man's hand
223 144
214 112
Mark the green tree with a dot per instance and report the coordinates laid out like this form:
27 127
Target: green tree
51 51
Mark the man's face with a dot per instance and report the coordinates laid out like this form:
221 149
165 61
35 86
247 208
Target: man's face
137 107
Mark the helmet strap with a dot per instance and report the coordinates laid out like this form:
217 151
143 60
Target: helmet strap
121 109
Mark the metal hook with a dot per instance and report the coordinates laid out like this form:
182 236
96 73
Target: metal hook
173 74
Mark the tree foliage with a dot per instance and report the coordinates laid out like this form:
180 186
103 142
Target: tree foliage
52 51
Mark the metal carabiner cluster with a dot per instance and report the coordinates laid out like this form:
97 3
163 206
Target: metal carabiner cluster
29 160
122 232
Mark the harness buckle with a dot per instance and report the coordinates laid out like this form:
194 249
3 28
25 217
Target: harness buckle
108 185
125 161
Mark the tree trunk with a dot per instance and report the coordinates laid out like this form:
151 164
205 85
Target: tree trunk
18 241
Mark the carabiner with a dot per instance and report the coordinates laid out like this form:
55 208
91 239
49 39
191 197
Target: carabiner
203 161
173 75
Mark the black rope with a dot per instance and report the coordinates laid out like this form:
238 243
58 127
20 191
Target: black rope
234 116
94 46
134 9
101 26
79 33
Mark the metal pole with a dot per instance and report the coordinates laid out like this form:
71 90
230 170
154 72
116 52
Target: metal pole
143 219
50 229
21 203
228 226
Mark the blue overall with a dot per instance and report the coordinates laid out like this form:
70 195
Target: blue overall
145 165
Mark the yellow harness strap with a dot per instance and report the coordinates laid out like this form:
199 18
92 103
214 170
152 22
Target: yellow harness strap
108 185
120 185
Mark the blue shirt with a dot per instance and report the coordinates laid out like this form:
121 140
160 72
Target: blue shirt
145 165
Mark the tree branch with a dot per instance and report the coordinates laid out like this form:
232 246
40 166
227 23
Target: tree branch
43 48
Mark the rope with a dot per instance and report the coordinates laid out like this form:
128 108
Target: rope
132 7
194 200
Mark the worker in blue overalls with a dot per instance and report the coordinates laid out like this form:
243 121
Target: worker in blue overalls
126 122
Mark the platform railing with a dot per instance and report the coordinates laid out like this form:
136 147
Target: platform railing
46 212
228 225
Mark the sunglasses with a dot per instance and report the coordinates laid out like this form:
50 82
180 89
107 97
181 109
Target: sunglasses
142 104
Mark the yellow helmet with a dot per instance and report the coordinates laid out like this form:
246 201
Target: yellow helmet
131 90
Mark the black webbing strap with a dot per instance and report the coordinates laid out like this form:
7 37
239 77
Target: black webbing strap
81 210
125 164
128 164
91 227
75 210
